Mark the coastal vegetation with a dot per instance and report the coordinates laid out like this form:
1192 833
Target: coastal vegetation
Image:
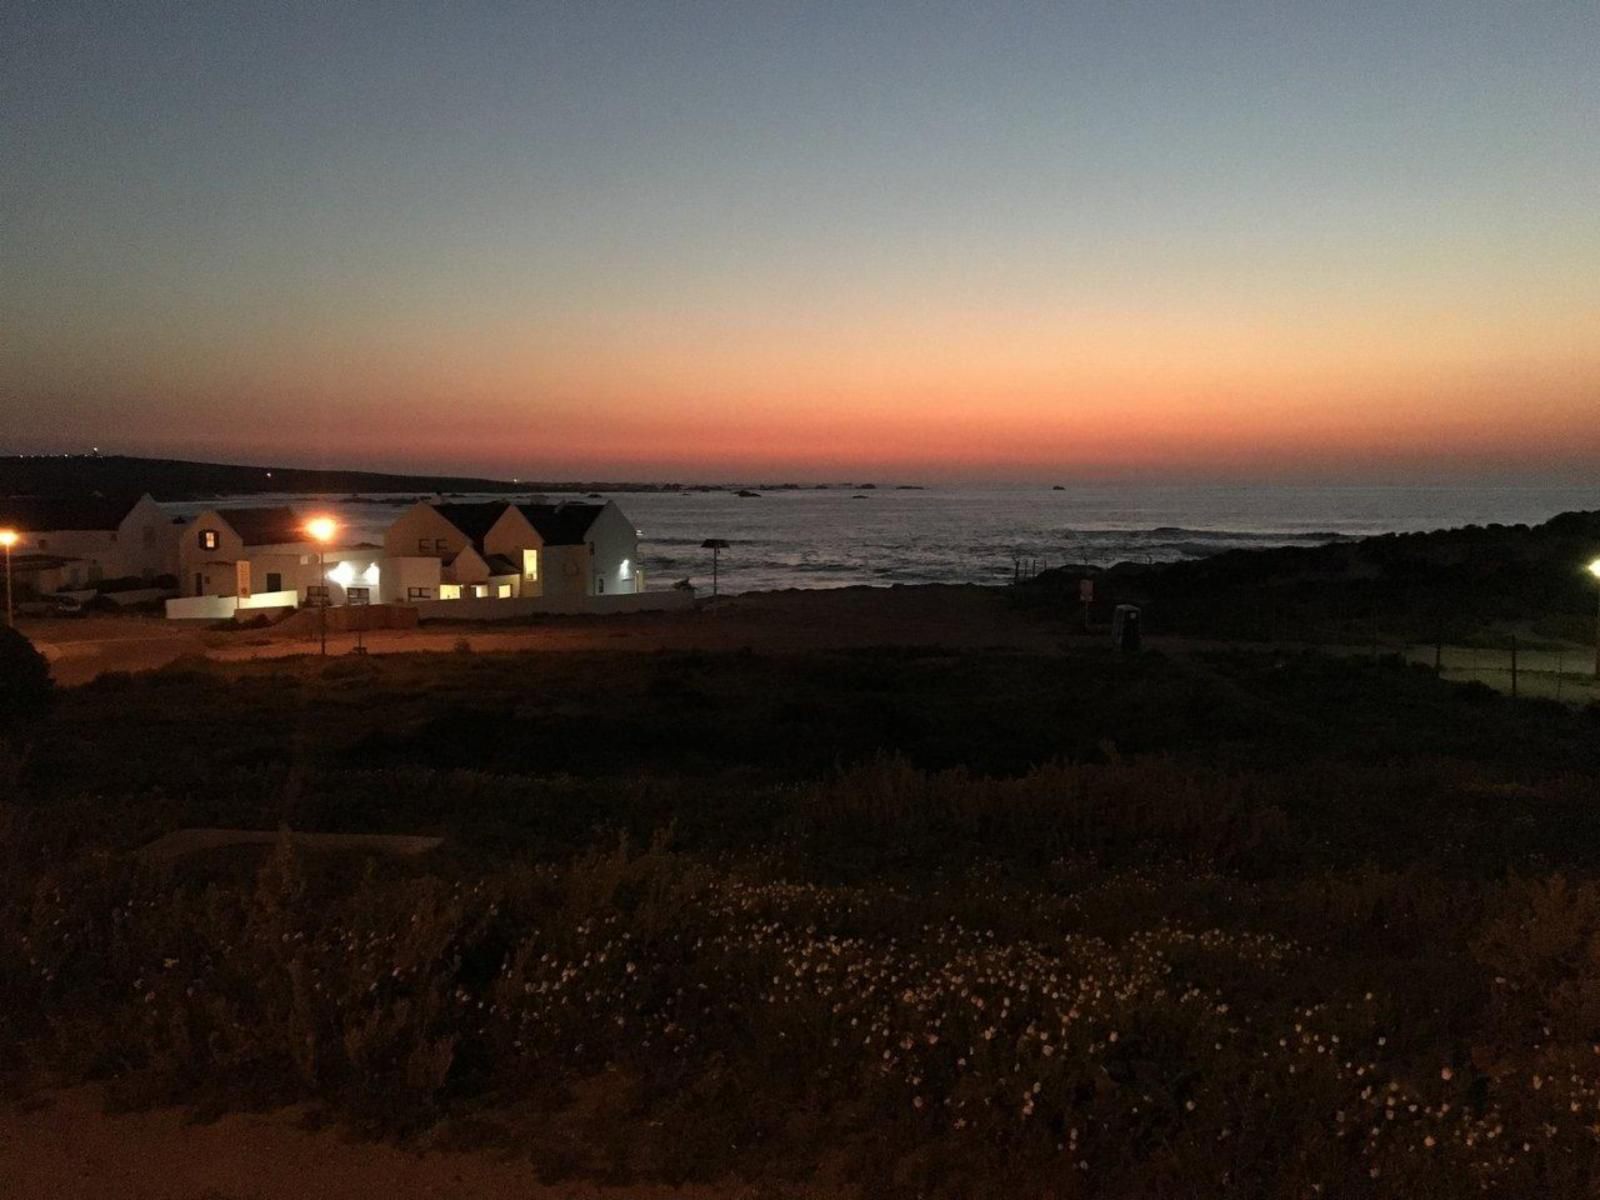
920 922
1469 584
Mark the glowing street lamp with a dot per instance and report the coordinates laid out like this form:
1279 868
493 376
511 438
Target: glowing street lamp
8 539
322 530
1594 569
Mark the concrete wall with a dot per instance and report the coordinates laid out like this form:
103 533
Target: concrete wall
220 608
547 605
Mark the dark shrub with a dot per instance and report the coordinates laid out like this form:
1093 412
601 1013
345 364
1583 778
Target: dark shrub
25 686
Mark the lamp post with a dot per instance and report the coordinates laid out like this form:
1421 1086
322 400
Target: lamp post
8 539
716 546
1594 569
322 530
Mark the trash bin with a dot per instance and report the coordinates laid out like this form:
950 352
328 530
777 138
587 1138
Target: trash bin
1125 627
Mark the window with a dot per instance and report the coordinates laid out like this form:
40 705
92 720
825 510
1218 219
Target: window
504 591
449 591
419 594
274 581
530 565
626 570
440 548
424 546
358 595
480 591
317 595
208 539
599 585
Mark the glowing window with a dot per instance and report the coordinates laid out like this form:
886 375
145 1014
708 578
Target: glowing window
530 564
449 591
505 591
208 539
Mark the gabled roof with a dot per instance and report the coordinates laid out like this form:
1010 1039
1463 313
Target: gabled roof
25 563
473 520
562 524
499 564
47 514
266 526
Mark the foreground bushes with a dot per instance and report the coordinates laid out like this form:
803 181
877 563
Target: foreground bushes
1106 1007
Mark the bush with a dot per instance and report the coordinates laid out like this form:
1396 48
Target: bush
25 685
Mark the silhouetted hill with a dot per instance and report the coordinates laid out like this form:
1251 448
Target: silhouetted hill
176 479
1452 582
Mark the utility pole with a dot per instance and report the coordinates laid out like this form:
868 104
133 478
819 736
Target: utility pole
8 538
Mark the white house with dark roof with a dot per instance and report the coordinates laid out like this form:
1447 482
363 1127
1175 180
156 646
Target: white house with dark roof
265 558
497 550
92 538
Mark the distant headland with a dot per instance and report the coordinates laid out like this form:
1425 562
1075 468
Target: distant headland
179 479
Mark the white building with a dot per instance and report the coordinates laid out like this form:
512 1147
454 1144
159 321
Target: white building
98 537
266 556
496 550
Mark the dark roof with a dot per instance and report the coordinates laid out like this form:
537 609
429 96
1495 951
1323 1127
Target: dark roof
474 520
44 514
499 564
266 526
561 524
23 563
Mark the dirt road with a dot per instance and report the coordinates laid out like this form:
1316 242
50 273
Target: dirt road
64 1147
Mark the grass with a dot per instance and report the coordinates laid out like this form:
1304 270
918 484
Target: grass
935 924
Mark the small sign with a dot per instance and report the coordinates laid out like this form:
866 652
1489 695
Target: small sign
1086 590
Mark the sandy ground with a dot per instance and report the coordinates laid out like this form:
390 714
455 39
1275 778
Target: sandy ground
954 616
64 1147
81 648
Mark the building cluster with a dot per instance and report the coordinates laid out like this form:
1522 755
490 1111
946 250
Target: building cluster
223 560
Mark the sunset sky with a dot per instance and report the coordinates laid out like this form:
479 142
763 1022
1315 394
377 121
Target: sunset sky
668 240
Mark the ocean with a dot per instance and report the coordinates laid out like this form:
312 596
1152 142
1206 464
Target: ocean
841 537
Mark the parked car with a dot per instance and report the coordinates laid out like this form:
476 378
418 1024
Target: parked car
51 606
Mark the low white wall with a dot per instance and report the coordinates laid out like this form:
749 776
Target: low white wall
220 608
529 606
202 608
284 599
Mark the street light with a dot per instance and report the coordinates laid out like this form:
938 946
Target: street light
1594 569
322 530
8 539
716 546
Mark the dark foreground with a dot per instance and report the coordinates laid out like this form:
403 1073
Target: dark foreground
909 921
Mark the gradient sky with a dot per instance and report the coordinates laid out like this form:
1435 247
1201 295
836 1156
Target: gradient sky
1074 240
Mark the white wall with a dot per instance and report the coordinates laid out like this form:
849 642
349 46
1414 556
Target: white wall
614 544
400 575
419 532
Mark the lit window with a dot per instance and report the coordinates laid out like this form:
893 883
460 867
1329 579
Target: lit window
449 591
530 564
208 539
626 570
505 591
